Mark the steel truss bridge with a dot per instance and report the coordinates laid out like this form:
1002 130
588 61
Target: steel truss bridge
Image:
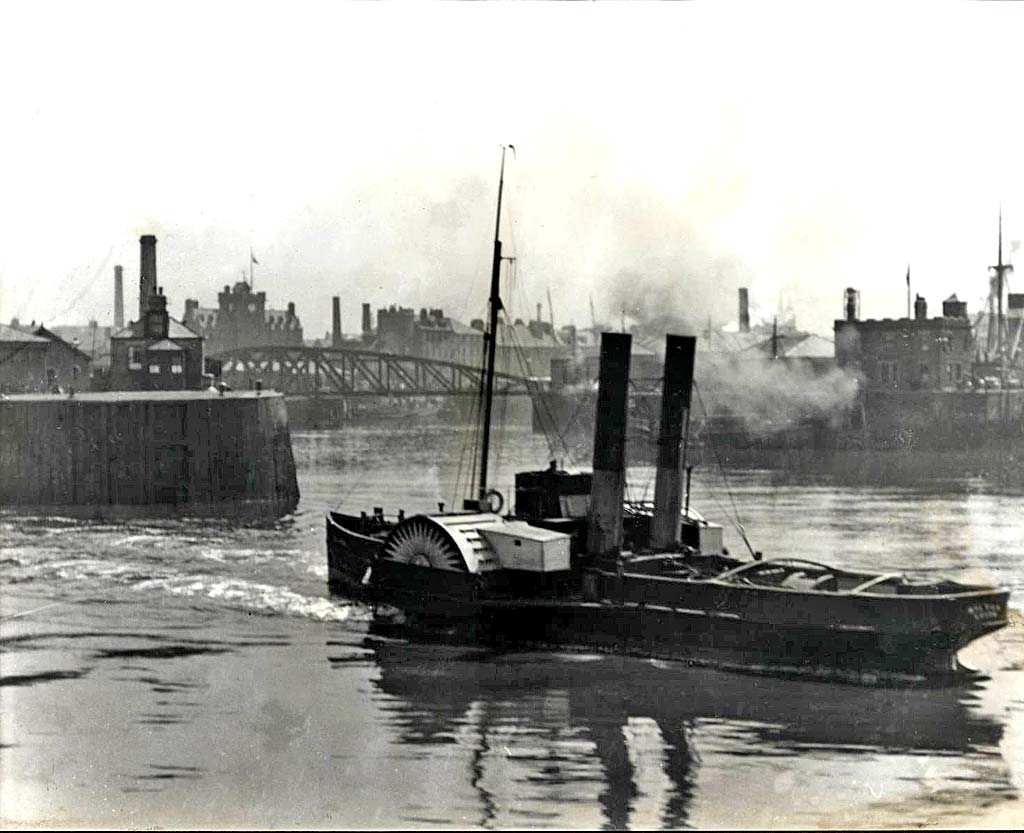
342 373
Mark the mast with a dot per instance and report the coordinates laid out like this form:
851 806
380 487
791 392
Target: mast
999 284
1001 269
492 333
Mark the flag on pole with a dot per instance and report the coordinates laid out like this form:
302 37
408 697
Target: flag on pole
251 255
908 276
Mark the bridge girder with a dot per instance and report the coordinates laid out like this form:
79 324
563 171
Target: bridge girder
325 371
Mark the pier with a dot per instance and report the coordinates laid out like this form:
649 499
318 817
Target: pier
148 452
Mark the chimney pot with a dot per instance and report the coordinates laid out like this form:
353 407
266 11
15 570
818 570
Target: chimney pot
852 303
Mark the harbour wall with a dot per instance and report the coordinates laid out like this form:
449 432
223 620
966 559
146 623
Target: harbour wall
148 453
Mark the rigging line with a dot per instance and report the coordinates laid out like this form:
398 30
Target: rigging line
534 394
478 421
517 290
467 450
473 441
544 409
460 470
89 285
738 523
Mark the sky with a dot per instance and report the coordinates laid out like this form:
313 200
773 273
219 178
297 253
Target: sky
665 154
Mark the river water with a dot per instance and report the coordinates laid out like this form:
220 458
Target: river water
198 674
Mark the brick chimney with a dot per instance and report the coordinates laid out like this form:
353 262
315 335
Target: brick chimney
147 272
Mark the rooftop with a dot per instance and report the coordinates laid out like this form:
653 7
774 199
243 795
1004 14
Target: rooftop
895 323
14 335
175 330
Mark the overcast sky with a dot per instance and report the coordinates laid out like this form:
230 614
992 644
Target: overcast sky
666 154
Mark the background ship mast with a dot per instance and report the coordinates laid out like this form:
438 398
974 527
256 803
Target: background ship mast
1000 270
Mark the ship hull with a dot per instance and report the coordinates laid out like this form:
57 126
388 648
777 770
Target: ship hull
350 554
857 638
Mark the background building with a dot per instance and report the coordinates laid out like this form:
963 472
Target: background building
523 348
156 352
242 319
918 353
35 359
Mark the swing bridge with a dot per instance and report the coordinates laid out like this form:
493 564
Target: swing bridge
342 373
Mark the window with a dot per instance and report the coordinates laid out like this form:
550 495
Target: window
176 365
154 368
887 373
135 358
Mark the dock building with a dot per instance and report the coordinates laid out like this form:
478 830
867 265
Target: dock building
156 439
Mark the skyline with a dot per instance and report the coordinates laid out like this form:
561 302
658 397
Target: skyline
665 155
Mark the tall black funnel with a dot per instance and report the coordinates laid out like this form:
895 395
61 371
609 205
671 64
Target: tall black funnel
675 402
609 479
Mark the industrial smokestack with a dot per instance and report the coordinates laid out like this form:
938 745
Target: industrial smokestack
147 272
852 303
367 324
118 298
744 310
604 535
335 321
675 402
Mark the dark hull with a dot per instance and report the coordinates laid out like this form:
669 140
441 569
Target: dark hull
707 622
351 553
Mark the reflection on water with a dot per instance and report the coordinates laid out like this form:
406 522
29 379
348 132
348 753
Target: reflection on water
185 673
547 739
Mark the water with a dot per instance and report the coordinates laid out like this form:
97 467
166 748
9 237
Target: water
197 674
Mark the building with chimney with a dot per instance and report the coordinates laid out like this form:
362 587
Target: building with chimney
242 319
918 353
155 352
